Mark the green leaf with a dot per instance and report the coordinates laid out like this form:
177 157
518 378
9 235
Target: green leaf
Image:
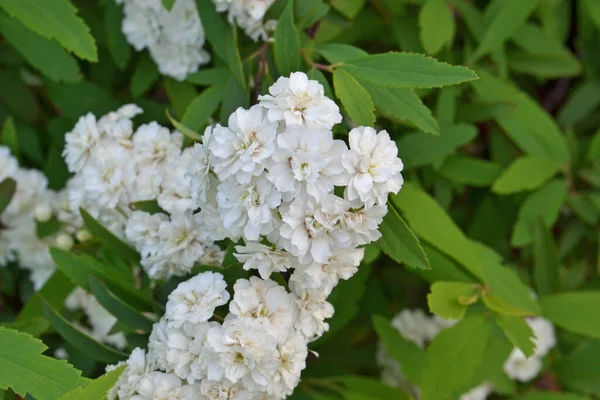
17 98
184 129
24 369
504 283
168 4
453 357
372 388
202 108
37 50
546 261
35 326
209 77
309 12
98 388
402 105
399 242
450 300
419 149
518 332
470 171
7 190
55 19
348 8
505 23
287 42
525 173
119 308
580 370
437 25
318 76
550 396
75 100
79 339
545 203
144 76
56 290
8 137
406 70
581 103
411 358
234 96
339 52
574 311
180 94
109 239
355 98
442 268
119 48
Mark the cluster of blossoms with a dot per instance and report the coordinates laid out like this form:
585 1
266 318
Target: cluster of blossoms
420 329
115 167
33 203
266 181
248 15
174 38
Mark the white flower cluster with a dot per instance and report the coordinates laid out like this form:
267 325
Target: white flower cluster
174 38
248 15
116 167
419 328
32 202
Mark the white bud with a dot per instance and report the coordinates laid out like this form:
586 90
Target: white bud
83 235
43 213
64 241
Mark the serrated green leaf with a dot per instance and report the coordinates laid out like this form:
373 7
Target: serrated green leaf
518 332
38 50
287 42
7 191
436 24
55 19
398 241
470 171
546 203
202 108
98 388
525 173
79 339
406 70
402 105
546 261
453 357
355 98
339 52
574 311
118 46
450 300
411 358
24 369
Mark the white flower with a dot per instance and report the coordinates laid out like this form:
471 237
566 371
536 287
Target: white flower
80 142
176 60
363 223
374 166
162 386
157 346
298 100
143 231
521 368
137 369
314 309
8 164
241 149
195 300
141 23
263 258
289 364
415 326
480 392
198 172
30 191
182 24
155 146
210 223
246 210
544 337
248 15
224 389
176 195
306 160
118 124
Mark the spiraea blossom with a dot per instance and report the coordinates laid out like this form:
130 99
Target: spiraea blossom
174 38
249 16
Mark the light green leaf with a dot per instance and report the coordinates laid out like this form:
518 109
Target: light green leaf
79 339
190 133
546 261
287 42
339 52
580 370
437 25
546 203
574 311
525 173
24 369
202 108
508 292
518 332
144 76
453 357
412 359
98 388
355 98
407 70
37 50
55 19
402 105
470 171
450 300
398 241
168 4
506 22
348 8
8 137
309 12
118 46
419 149
7 191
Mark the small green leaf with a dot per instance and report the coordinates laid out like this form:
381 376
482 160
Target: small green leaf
180 94
406 70
518 332
436 24
7 190
168 4
144 76
98 388
546 261
118 46
202 107
526 173
470 171
355 98
287 42
450 300
195 136
574 311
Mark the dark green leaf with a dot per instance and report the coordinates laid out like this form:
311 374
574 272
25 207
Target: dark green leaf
287 42
7 190
202 107
574 311
144 76
120 50
546 260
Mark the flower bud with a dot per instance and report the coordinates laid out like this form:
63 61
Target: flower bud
83 235
43 213
64 241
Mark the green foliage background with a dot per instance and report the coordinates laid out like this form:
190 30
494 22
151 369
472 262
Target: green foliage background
502 191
